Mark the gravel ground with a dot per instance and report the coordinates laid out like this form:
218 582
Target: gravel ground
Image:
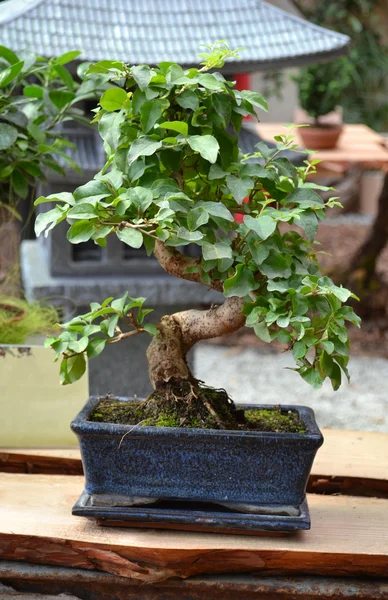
252 375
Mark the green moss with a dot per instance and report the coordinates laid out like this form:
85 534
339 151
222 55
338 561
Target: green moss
274 421
158 413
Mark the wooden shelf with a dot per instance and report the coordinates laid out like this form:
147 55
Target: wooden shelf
348 537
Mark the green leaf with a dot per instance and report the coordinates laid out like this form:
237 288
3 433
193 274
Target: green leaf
19 183
216 209
335 376
8 136
239 187
49 218
151 328
276 265
255 99
113 99
216 251
65 197
299 350
308 221
188 100
144 146
109 128
92 190
206 145
119 303
262 332
83 211
179 126
8 55
259 253
305 198
326 363
37 133
150 113
208 81
223 106
300 304
328 346
240 284
196 218
215 172
131 237
191 236
67 57
104 66
80 231
312 377
60 98
75 368
341 293
264 225
142 74
33 91
95 347
9 74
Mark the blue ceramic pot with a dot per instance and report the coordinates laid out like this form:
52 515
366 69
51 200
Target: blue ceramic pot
264 469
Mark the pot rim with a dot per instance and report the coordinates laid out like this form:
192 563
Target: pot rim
81 425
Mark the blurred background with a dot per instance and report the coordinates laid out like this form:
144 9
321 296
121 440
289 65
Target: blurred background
325 64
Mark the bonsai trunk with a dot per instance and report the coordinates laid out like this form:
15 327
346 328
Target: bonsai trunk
177 392
178 333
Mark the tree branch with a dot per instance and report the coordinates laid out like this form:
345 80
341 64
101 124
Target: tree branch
197 325
175 263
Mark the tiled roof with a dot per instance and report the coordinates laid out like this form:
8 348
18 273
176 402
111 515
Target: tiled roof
150 31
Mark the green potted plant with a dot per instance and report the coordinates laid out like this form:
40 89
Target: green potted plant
321 88
175 176
37 95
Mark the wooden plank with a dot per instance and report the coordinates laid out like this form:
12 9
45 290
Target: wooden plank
351 454
349 537
103 586
358 144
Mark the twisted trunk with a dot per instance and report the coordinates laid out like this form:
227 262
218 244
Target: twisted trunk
178 333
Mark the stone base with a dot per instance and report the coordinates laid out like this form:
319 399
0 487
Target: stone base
122 368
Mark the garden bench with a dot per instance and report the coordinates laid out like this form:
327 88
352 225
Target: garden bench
45 550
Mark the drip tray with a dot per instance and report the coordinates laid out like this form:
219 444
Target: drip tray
192 516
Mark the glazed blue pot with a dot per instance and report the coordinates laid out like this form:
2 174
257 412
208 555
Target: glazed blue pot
201 465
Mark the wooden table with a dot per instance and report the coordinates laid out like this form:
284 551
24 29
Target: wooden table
358 145
345 555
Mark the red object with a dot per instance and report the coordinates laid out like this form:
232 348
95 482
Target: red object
243 81
239 217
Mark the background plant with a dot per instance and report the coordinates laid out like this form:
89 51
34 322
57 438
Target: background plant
36 96
175 176
321 87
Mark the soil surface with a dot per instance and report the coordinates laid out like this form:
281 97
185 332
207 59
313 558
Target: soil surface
142 414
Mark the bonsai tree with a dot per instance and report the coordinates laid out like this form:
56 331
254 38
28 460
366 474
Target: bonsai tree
175 176
321 87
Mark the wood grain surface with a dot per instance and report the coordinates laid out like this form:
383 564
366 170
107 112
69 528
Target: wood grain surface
349 536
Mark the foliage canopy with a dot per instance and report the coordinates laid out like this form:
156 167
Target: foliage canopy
174 176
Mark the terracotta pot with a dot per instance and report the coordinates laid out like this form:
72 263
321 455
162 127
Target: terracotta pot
324 137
